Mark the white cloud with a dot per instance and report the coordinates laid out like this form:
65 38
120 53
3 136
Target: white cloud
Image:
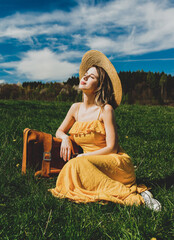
2 81
144 27
146 60
28 32
8 64
102 44
122 26
7 71
62 47
45 65
71 55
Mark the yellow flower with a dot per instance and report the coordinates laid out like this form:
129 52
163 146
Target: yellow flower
14 140
126 137
153 239
17 165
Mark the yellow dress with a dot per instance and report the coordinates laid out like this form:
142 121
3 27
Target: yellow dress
98 177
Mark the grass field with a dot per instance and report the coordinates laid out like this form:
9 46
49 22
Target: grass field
29 211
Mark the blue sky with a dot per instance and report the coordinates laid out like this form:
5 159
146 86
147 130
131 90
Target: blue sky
44 40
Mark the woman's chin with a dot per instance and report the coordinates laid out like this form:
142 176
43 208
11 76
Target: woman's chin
82 87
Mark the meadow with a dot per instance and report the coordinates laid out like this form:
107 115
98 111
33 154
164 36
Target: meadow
29 211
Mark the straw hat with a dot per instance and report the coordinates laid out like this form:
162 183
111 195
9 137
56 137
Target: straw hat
94 57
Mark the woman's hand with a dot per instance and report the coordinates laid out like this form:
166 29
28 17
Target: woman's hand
66 148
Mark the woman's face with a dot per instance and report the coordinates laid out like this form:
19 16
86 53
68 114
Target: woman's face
89 81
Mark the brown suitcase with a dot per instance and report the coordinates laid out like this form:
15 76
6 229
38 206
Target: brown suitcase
41 152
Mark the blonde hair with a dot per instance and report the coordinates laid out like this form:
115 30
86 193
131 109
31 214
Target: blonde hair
104 93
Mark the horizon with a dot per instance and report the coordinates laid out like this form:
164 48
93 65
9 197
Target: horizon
45 40
54 81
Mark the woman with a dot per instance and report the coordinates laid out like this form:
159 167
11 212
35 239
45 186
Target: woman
103 172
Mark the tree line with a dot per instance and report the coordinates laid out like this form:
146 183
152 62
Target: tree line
138 87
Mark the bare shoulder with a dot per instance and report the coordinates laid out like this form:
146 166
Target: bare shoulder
75 106
107 112
74 109
108 109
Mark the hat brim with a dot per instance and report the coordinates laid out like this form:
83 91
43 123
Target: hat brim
94 57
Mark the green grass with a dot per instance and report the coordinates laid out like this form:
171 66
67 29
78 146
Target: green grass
29 211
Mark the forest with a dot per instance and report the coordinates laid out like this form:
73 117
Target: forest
138 88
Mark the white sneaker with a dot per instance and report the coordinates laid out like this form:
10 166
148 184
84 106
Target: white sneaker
150 202
143 194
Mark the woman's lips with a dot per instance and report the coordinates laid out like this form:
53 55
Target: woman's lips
83 83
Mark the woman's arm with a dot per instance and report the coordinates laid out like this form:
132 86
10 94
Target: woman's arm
66 145
111 133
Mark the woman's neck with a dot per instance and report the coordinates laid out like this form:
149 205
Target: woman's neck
88 100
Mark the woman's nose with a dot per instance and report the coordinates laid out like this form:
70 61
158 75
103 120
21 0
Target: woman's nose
85 77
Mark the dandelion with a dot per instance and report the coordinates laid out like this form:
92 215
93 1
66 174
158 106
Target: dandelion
14 140
126 136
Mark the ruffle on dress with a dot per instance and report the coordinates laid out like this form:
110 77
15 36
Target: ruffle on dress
87 127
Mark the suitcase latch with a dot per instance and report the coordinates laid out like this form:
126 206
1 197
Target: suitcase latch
47 156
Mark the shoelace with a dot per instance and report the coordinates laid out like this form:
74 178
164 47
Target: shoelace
150 202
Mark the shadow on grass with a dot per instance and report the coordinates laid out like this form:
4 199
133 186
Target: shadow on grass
167 182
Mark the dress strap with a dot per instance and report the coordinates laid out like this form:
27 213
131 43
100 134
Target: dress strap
99 113
77 114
